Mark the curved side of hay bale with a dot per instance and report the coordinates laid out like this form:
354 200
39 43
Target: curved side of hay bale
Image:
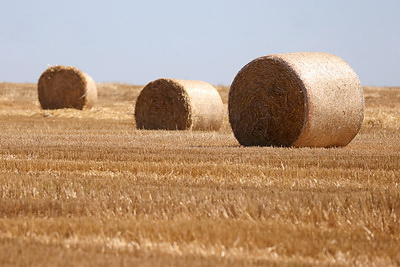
304 99
91 92
66 87
206 105
335 97
171 104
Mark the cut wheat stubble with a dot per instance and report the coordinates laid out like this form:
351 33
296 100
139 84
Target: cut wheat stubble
66 87
306 99
171 104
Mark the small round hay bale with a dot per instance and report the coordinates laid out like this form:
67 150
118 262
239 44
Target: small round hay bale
66 87
306 99
169 104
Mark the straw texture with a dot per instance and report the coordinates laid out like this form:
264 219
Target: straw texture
306 99
171 104
66 87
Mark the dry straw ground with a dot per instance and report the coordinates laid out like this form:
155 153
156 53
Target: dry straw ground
85 187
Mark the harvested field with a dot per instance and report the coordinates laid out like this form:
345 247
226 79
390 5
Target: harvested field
87 188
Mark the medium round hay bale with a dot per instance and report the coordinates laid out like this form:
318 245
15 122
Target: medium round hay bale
304 99
66 87
170 104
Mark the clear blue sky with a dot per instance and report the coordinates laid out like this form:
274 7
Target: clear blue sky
139 41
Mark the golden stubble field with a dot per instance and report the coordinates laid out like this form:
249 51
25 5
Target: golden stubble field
87 188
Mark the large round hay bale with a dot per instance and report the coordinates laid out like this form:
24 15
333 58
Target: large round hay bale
66 87
304 99
171 104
